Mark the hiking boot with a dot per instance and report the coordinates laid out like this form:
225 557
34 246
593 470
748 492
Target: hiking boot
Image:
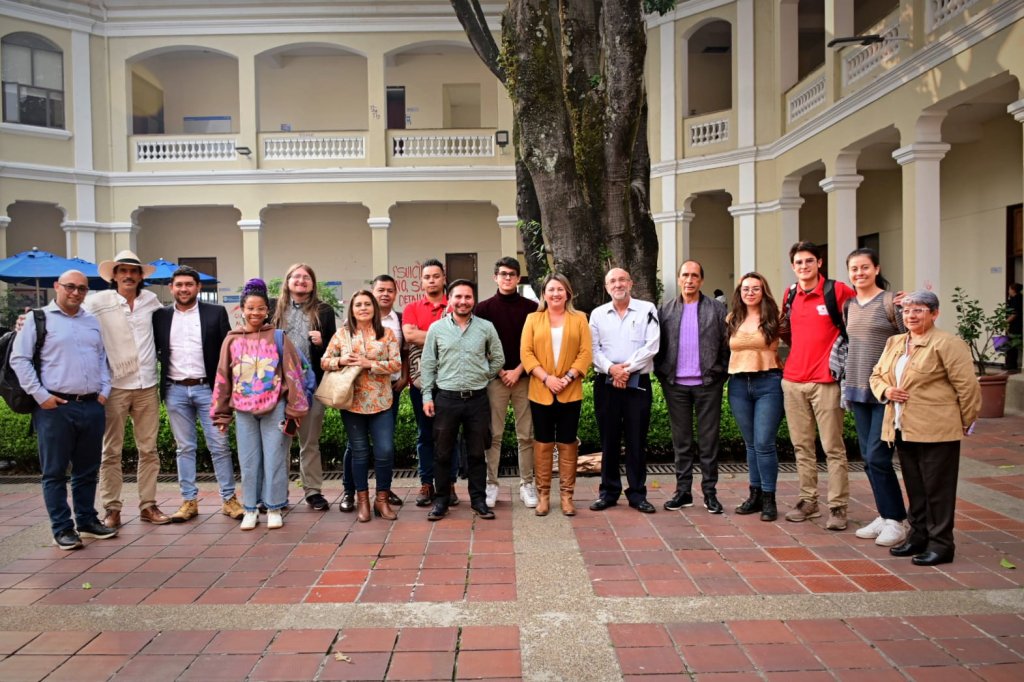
753 503
769 512
232 508
805 509
836 518
712 504
186 511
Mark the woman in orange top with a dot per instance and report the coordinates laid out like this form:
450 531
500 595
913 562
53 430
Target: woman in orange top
556 353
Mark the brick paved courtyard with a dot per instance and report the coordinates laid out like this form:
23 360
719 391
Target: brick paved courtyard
602 596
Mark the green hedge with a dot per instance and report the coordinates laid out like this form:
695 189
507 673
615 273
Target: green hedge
17 445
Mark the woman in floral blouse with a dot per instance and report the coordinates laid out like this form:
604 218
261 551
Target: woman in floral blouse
365 342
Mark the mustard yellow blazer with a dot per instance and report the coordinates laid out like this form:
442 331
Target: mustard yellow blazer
576 353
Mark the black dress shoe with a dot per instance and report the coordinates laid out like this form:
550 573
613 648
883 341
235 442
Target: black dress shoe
482 510
348 502
600 504
96 530
908 548
453 499
394 500
318 502
439 511
644 507
67 539
712 504
679 500
931 559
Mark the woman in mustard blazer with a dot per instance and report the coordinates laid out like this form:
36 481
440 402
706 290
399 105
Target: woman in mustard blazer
556 352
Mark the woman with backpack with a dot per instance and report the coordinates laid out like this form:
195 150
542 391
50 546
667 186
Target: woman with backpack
260 377
365 342
871 318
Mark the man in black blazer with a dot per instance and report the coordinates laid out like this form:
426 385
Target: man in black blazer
189 335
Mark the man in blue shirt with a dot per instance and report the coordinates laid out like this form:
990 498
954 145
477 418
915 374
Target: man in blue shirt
71 388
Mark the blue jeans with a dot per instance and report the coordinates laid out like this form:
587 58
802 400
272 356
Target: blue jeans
184 404
263 456
756 401
347 481
425 441
70 434
360 429
877 456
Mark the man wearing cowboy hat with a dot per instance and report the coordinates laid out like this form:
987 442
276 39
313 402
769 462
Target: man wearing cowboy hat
125 313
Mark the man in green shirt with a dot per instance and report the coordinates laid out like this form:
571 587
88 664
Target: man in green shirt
461 355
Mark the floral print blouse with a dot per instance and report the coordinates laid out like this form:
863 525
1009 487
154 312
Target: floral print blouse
372 390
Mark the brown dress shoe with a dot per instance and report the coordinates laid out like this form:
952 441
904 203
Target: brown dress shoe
154 515
112 519
393 499
348 503
187 510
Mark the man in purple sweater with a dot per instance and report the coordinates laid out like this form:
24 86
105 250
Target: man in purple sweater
507 311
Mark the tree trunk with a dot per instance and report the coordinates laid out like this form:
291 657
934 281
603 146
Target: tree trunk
574 72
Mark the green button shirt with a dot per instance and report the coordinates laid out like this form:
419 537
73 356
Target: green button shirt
456 360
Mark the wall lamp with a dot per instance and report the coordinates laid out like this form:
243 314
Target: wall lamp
244 151
501 139
870 39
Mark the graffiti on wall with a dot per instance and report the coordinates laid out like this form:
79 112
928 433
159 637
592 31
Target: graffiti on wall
407 281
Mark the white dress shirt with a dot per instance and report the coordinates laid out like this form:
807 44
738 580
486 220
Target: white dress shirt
186 345
634 338
140 321
390 321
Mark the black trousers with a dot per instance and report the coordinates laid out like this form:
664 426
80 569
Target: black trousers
930 473
705 403
557 422
473 415
624 415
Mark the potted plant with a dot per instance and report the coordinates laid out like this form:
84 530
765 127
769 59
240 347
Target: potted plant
979 331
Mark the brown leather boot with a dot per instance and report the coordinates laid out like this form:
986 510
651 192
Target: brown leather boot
363 505
567 453
542 453
382 506
112 519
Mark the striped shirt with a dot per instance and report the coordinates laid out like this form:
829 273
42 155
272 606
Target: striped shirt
868 327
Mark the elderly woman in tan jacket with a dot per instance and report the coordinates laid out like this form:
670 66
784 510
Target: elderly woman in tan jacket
556 353
926 380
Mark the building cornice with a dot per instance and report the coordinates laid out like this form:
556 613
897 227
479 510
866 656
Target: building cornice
684 10
35 131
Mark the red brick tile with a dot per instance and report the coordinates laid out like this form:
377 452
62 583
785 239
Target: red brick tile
180 642
416 665
330 595
439 593
760 631
475 665
28 668
427 639
932 581
671 588
800 676
716 659
932 674
21 597
123 597
363 640
218 667
822 631
829 583
491 593
293 579
171 596
240 642
88 669
638 635
364 666
481 638
649 661
44 581
943 627
68 597
699 634
762 569
837 655
442 576
58 643
871 675
343 577
809 568
976 651
998 625
780 657
398 594
430 561
881 583
723 586
14 640
1001 673
284 668
791 553
859 567
137 580
127 643
878 629
777 586
488 576
227 595
303 642
620 588
279 595
914 652
192 580
710 570
154 668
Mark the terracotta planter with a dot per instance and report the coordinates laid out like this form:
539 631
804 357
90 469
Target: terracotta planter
993 396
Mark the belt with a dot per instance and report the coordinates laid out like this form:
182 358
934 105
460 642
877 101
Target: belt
188 382
461 395
72 398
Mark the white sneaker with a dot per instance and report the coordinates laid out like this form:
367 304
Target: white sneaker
492 494
274 519
528 494
250 520
893 533
871 531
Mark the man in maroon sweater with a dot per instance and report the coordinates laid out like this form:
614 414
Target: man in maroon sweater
507 311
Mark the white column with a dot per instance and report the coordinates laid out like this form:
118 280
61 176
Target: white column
377 153
745 72
81 239
669 119
788 208
685 220
789 59
842 211
508 225
744 237
379 228
252 248
81 233
668 246
922 215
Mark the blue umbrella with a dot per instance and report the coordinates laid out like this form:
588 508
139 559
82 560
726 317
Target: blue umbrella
164 270
41 268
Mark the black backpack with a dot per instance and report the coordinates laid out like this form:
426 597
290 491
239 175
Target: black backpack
10 386
831 304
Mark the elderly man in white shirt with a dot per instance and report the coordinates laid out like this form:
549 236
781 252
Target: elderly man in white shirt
626 337
125 313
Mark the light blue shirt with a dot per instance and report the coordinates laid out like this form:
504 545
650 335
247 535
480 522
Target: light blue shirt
634 338
72 360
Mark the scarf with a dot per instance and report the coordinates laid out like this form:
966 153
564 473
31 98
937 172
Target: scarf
122 353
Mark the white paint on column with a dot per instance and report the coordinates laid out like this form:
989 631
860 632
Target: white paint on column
745 72
926 157
81 93
669 119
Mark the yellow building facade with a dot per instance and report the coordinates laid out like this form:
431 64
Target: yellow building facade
360 137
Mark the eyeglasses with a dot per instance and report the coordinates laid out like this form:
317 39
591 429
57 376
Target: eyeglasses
507 275
301 278
72 288
916 311
751 290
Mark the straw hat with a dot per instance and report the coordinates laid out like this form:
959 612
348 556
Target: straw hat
126 257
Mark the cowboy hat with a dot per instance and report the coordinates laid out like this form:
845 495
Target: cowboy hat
126 257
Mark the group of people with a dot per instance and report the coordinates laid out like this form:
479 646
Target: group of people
910 386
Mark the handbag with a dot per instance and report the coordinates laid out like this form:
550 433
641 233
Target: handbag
337 389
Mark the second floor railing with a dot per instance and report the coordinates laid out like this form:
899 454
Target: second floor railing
862 61
427 144
807 96
941 11
330 146
166 148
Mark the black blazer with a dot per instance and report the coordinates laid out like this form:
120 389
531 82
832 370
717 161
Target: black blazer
328 328
214 327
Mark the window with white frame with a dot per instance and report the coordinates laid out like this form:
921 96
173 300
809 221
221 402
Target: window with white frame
33 80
